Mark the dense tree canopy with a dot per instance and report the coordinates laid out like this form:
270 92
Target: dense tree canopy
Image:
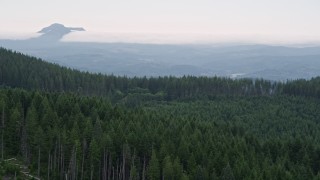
65 123
18 70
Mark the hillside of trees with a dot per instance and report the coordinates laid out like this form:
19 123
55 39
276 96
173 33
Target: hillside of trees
18 70
66 124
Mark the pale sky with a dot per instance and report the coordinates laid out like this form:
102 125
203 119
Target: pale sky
296 20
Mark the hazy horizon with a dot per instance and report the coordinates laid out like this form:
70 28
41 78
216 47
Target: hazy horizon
161 38
174 21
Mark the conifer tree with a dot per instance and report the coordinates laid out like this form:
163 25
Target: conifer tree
153 170
168 173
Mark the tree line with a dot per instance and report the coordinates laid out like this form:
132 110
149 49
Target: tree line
19 70
67 124
63 135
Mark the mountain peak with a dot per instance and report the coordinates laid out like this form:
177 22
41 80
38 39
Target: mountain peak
56 31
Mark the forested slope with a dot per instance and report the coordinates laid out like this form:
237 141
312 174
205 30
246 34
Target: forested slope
155 128
18 70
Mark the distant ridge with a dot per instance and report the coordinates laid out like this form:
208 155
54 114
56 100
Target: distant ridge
56 31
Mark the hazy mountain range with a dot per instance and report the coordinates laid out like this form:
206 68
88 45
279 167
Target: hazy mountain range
254 61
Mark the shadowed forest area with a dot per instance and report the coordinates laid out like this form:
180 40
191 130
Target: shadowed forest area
62 123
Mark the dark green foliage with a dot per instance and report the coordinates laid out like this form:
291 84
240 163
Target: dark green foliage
153 170
133 173
167 171
18 70
156 128
262 137
227 173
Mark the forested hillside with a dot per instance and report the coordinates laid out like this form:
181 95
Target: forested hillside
18 70
67 124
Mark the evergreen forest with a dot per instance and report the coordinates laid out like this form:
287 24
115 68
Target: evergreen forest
61 123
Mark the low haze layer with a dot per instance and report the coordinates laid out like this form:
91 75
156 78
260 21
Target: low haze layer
132 59
277 21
